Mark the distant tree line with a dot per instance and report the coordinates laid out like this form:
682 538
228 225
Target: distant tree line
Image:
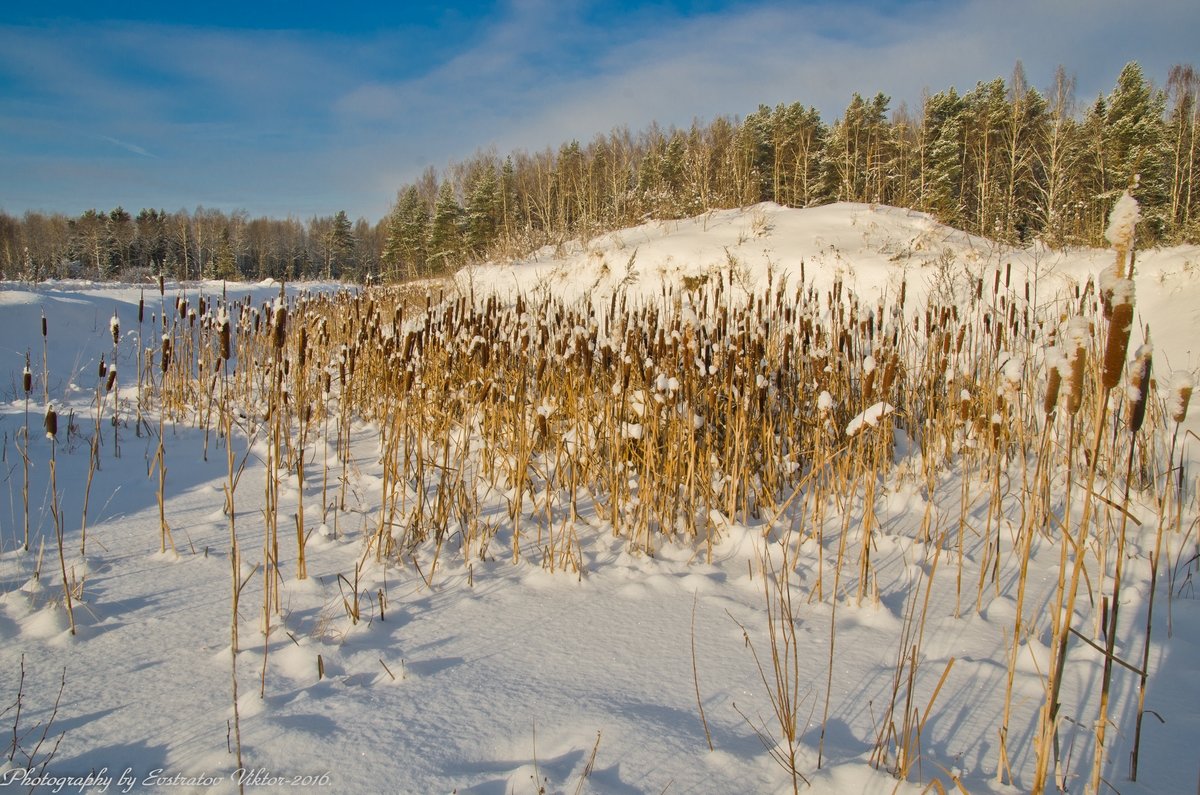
205 243
1002 160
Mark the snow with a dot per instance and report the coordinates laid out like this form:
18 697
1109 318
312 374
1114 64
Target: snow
1122 221
477 674
869 418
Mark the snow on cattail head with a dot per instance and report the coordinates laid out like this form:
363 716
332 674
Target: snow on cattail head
1180 394
1078 332
1121 222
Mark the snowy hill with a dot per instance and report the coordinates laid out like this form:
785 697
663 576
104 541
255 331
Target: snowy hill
494 601
869 248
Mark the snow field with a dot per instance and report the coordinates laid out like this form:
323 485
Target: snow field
526 570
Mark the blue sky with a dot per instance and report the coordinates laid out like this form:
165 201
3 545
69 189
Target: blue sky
299 108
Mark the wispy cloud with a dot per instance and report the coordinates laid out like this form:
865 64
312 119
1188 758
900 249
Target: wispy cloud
134 148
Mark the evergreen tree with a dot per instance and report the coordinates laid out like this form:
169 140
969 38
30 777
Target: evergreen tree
445 231
483 212
941 156
225 263
510 202
120 243
339 247
1136 149
755 158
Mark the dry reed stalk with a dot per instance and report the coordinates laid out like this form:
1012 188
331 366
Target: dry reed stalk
1138 384
1180 396
26 387
783 683
51 425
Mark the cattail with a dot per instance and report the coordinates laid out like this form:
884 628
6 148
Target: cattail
27 381
1056 365
1121 224
868 384
1118 332
114 325
1139 381
223 338
51 422
1078 333
112 379
1181 394
889 375
279 325
102 370
1053 381
44 325
141 306
1075 383
166 352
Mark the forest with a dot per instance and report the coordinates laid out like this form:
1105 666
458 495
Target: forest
1003 160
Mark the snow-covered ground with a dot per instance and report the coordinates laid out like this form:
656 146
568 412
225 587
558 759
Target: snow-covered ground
491 676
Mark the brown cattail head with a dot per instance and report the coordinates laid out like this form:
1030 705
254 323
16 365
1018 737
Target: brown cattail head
889 375
224 338
1181 394
1118 332
102 370
162 285
112 379
27 380
1078 333
279 325
51 422
141 306
1139 384
114 325
166 352
44 325
1053 382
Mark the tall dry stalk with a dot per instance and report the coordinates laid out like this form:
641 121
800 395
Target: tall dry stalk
51 426
26 387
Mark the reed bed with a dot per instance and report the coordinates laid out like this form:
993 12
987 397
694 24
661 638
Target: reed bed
668 419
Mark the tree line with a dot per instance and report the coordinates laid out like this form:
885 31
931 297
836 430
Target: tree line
1002 160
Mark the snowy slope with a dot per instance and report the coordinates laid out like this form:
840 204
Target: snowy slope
493 676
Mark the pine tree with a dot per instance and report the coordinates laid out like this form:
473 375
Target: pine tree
445 232
1136 148
225 263
482 212
942 156
404 252
339 247
120 243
